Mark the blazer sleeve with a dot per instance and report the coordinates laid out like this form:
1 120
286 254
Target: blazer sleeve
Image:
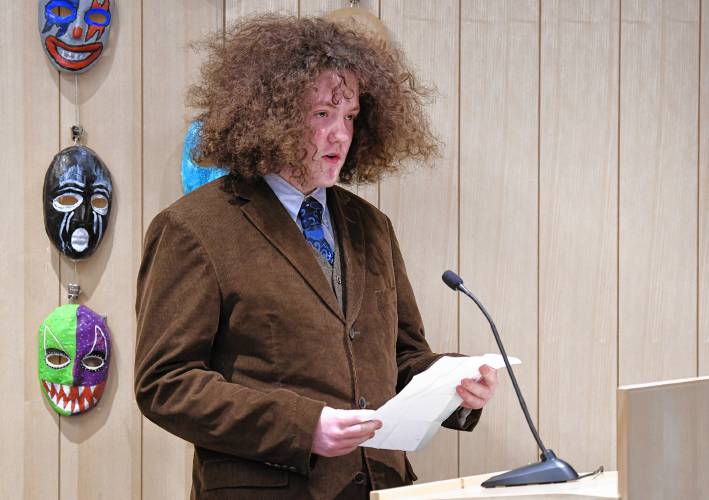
178 309
413 354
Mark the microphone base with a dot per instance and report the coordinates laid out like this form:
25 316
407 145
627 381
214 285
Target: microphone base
549 470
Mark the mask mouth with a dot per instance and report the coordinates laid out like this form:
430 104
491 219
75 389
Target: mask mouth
72 399
80 239
72 57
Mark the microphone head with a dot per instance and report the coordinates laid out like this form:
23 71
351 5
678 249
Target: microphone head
452 280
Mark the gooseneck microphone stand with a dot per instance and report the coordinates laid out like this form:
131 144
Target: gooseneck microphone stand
550 469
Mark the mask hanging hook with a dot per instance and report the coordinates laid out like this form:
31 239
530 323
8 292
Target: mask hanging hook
73 288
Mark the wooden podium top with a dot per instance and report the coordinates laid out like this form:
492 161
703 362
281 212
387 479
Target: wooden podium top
663 431
601 487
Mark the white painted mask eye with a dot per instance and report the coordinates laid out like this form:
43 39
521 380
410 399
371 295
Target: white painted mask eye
99 203
56 358
93 362
67 202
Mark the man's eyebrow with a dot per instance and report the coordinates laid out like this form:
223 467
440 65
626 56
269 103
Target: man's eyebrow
329 104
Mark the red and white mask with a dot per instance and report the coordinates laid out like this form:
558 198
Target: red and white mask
74 33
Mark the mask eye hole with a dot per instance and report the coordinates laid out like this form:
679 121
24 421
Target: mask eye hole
97 17
67 202
56 358
99 203
93 361
60 11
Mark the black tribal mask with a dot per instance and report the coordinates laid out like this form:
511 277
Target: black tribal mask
77 201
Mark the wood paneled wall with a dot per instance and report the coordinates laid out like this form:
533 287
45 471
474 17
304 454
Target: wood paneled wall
571 195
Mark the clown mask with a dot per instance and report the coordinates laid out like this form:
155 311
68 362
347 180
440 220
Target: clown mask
74 353
74 33
77 201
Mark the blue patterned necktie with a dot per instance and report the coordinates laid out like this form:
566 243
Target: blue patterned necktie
310 216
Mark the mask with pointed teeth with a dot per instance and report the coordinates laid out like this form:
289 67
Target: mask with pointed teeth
74 355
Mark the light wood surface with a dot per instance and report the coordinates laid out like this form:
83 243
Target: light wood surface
601 487
577 245
28 141
110 111
658 190
423 205
498 215
169 67
703 204
235 9
663 433
622 170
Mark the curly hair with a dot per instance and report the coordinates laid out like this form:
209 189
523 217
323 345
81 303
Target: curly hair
253 111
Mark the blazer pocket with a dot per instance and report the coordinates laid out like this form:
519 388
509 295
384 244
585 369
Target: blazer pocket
237 473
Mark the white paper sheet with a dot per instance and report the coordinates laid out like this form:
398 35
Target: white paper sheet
412 417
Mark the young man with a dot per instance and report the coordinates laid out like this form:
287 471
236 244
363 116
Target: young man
274 311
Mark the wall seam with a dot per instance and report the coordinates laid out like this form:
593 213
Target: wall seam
617 224
699 182
539 198
142 202
457 295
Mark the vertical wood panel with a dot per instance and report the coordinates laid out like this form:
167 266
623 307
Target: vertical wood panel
28 140
703 334
235 9
578 244
658 190
110 106
169 67
369 192
498 215
423 204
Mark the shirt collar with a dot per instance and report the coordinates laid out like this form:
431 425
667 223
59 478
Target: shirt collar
290 197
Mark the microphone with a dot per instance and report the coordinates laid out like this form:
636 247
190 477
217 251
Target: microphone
550 469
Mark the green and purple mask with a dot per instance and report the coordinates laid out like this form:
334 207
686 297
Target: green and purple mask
74 354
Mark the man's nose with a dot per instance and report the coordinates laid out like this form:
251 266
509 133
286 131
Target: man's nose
339 132
77 32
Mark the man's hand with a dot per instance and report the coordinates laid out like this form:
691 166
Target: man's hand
476 394
339 432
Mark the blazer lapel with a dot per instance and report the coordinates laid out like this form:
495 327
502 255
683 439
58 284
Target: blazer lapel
268 215
348 224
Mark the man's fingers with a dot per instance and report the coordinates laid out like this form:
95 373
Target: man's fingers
351 417
470 400
478 389
362 429
489 375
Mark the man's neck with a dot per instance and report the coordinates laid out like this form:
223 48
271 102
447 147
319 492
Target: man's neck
286 174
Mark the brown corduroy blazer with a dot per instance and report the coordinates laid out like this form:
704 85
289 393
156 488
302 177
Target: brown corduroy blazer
241 341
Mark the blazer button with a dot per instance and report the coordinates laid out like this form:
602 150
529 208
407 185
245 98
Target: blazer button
353 333
362 403
360 478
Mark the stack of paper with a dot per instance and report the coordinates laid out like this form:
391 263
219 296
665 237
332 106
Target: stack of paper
413 416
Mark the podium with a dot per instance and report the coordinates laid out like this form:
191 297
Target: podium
662 446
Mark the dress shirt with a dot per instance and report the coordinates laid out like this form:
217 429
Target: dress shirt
292 199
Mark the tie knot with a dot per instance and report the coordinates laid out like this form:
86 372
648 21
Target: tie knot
310 212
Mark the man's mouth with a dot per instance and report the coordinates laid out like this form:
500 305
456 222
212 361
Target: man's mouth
73 57
332 157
